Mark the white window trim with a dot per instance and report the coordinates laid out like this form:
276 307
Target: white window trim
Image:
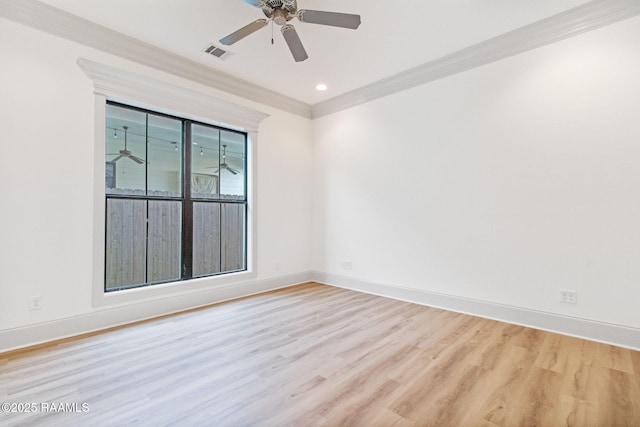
132 89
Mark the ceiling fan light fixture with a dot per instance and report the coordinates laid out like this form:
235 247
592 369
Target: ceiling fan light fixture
280 16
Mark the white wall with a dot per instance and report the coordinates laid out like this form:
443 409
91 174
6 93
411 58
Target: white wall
502 184
46 220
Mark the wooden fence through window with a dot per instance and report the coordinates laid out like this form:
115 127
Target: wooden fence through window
144 239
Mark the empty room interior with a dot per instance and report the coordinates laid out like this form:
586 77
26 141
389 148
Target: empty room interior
320 213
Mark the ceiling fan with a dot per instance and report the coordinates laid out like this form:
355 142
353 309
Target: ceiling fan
224 164
282 11
127 153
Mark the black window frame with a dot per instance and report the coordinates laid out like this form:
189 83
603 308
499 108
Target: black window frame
187 201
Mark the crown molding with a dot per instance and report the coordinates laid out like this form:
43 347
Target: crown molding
587 17
57 22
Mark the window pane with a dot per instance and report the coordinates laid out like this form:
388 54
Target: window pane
125 151
232 165
145 174
164 145
126 242
164 241
206 238
205 141
233 231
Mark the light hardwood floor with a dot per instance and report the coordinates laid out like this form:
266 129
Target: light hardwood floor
315 355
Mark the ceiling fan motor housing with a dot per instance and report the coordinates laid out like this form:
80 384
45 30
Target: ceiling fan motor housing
277 4
280 11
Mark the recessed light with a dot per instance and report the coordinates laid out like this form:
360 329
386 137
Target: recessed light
321 87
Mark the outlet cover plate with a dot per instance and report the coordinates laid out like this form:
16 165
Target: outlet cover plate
569 297
35 303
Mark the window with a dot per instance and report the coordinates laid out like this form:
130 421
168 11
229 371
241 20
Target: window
176 199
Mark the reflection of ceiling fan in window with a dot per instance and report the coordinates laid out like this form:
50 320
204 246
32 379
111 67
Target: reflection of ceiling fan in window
224 164
125 152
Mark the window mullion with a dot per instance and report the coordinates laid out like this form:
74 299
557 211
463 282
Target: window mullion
187 203
146 192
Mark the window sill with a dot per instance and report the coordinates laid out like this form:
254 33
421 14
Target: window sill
172 289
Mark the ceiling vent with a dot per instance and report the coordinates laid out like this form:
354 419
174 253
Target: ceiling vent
214 50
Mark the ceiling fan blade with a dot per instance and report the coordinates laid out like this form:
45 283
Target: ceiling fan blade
243 32
334 19
138 160
294 43
256 3
118 158
233 171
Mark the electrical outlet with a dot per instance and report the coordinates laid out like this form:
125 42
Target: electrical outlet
346 265
569 297
35 302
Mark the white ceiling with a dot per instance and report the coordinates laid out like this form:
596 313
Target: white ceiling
388 41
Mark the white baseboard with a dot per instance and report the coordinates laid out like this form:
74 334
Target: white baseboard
104 318
622 336
16 338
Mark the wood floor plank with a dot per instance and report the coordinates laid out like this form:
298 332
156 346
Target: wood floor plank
615 358
314 355
502 390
